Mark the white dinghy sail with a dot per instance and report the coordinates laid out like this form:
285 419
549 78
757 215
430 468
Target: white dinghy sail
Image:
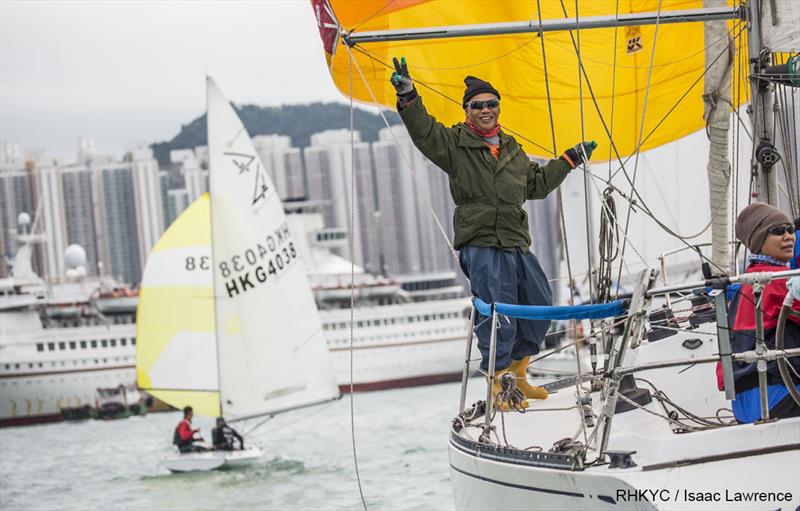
234 330
271 350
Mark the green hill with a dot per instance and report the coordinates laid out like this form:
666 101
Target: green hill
297 121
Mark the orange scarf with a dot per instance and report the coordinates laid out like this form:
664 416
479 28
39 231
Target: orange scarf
483 133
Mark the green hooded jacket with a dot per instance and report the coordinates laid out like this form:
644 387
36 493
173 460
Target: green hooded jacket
488 192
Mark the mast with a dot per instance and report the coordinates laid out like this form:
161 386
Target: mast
761 110
717 98
213 266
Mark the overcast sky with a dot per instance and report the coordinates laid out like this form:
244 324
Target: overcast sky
126 73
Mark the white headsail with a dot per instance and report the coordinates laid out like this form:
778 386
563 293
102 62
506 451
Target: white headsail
270 344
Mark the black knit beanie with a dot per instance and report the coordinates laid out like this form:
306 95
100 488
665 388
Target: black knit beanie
474 87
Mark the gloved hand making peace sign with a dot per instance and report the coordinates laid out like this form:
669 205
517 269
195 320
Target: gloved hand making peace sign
579 154
402 83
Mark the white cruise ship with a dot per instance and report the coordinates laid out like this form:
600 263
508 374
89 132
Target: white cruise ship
59 343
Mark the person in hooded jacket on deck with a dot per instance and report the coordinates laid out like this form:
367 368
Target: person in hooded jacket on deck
491 177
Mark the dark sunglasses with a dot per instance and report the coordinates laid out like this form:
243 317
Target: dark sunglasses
778 230
479 105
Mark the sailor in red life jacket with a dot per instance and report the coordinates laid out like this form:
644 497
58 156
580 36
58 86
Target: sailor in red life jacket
769 234
184 436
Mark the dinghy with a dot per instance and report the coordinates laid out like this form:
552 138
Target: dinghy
229 345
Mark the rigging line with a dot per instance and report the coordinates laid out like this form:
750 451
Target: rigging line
635 404
794 94
669 112
790 162
613 214
446 97
613 88
352 280
559 195
585 161
734 111
736 146
786 163
579 379
390 2
789 148
663 118
646 210
547 81
664 200
404 157
787 193
641 130
258 425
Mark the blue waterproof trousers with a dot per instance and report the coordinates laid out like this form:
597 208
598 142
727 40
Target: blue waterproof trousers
507 276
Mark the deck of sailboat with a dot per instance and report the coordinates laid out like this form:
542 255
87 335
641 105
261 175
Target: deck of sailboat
644 430
681 467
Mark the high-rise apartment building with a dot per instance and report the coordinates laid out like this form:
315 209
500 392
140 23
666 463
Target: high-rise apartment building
283 163
51 215
117 222
79 212
17 195
331 163
194 175
176 201
410 189
148 199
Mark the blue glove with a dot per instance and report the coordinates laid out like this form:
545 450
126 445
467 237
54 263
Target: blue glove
579 154
402 82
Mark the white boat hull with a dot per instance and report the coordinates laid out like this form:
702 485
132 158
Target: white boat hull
211 460
744 466
480 483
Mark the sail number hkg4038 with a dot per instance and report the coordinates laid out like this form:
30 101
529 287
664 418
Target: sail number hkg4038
263 261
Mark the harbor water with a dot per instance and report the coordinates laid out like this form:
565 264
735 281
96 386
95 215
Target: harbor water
401 443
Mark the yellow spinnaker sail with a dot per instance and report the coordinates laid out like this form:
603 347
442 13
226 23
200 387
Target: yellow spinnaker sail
176 356
515 66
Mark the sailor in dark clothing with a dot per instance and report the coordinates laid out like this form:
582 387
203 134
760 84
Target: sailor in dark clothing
223 436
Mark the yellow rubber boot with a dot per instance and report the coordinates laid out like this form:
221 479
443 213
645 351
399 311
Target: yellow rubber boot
519 368
497 388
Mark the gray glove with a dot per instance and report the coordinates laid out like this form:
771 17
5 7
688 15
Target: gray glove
406 92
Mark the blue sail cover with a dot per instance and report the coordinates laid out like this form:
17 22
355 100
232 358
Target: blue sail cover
591 311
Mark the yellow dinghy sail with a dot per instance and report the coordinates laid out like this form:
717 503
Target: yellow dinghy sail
617 63
176 352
